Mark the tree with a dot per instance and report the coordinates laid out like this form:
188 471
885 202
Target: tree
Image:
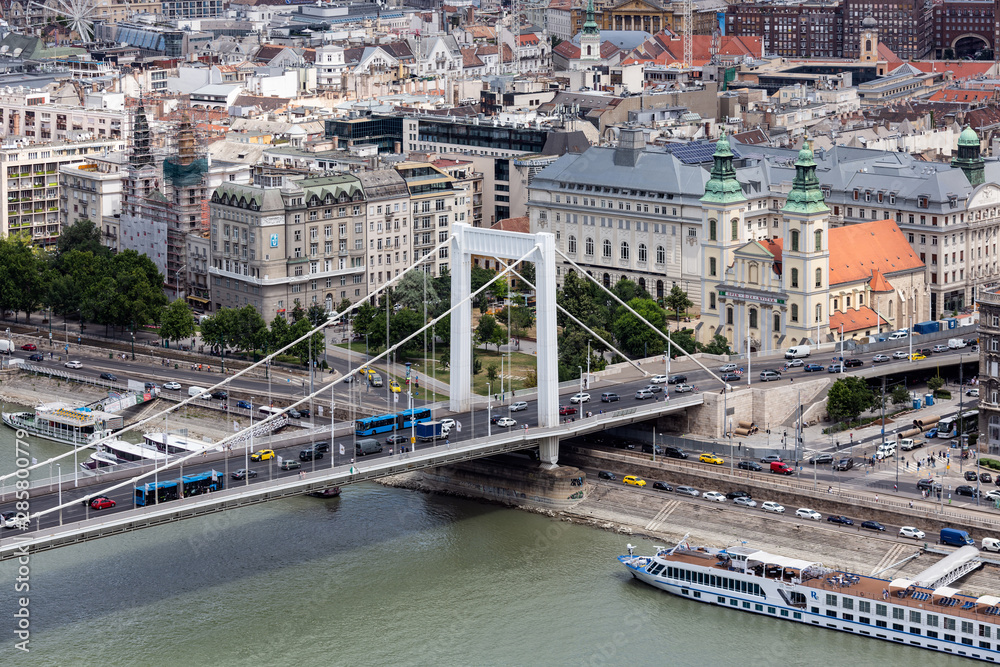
718 345
527 271
414 290
442 330
403 324
677 300
316 315
249 329
445 360
492 372
635 337
344 304
177 321
477 364
935 383
484 330
530 379
848 398
82 236
499 337
685 340
900 396
499 289
278 336
298 312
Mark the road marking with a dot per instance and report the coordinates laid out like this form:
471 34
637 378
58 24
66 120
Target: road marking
891 556
662 515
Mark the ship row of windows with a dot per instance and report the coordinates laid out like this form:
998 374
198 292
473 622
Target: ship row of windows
726 583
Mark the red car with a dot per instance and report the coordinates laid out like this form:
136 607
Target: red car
566 410
102 503
30 347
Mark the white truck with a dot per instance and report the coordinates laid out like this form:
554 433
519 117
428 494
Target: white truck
956 343
906 444
797 352
6 346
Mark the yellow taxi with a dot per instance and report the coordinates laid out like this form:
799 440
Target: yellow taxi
916 356
632 480
262 455
394 386
711 458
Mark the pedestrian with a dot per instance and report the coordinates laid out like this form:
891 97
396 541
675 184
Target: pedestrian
895 489
876 497
791 380
911 504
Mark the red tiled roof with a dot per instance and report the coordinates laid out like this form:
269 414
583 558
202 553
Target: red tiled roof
855 320
567 49
520 224
962 69
528 40
856 251
962 95
878 283
470 59
886 54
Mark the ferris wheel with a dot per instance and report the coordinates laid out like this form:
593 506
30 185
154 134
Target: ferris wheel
79 15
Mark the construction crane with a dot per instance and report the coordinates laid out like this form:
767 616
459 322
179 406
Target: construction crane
688 31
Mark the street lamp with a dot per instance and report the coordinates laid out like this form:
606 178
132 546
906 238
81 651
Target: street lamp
59 469
842 370
133 345
580 368
489 410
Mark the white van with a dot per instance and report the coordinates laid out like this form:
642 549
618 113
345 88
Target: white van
797 352
897 335
198 391
955 343
991 544
886 450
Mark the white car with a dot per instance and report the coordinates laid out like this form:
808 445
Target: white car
172 385
910 531
582 397
973 392
993 495
714 495
506 422
682 388
73 364
447 423
900 354
771 506
517 407
658 379
806 513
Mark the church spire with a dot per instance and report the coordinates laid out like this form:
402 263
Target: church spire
722 187
806 196
590 26
968 158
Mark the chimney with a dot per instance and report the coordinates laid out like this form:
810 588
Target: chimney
470 15
336 142
631 141
397 147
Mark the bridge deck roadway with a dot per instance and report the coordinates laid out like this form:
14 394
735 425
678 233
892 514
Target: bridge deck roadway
125 520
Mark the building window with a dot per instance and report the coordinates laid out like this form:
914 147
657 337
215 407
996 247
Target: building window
819 239
571 244
777 323
589 246
795 278
795 312
753 318
711 301
607 249
819 277
735 224
795 240
713 230
729 315
642 252
711 266
661 255
819 312
624 250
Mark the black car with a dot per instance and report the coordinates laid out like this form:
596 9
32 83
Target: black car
322 446
494 418
738 494
926 351
662 486
36 357
843 520
844 464
985 477
730 377
304 412
872 525
293 413
749 465
971 476
650 448
820 459
853 363
674 453
928 485
220 395
604 474
309 454
677 379
242 474
624 444
966 491
395 439
109 376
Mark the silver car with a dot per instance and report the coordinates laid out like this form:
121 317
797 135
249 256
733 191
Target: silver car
643 394
517 407
687 491
745 502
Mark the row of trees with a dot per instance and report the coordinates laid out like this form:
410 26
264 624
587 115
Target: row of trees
851 396
244 330
81 279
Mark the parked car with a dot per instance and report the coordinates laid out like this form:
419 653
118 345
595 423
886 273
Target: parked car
714 459
985 478
36 357
581 397
643 394
242 473
29 347
658 379
873 525
677 379
881 358
971 476
771 506
565 410
842 520
813 368
910 531
821 459
687 491
519 406
604 474
683 388
806 513
633 480
738 494
744 501
714 496
749 465
662 486
610 397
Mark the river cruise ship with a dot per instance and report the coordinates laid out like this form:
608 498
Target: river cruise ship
61 423
928 611
177 444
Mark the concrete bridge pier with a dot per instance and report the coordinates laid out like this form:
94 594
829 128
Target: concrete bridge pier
548 452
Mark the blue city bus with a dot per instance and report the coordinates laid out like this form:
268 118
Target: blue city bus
161 492
408 418
373 425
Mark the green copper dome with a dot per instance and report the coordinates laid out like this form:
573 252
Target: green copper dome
968 137
722 187
806 196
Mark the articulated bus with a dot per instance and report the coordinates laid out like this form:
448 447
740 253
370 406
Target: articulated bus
385 423
193 485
